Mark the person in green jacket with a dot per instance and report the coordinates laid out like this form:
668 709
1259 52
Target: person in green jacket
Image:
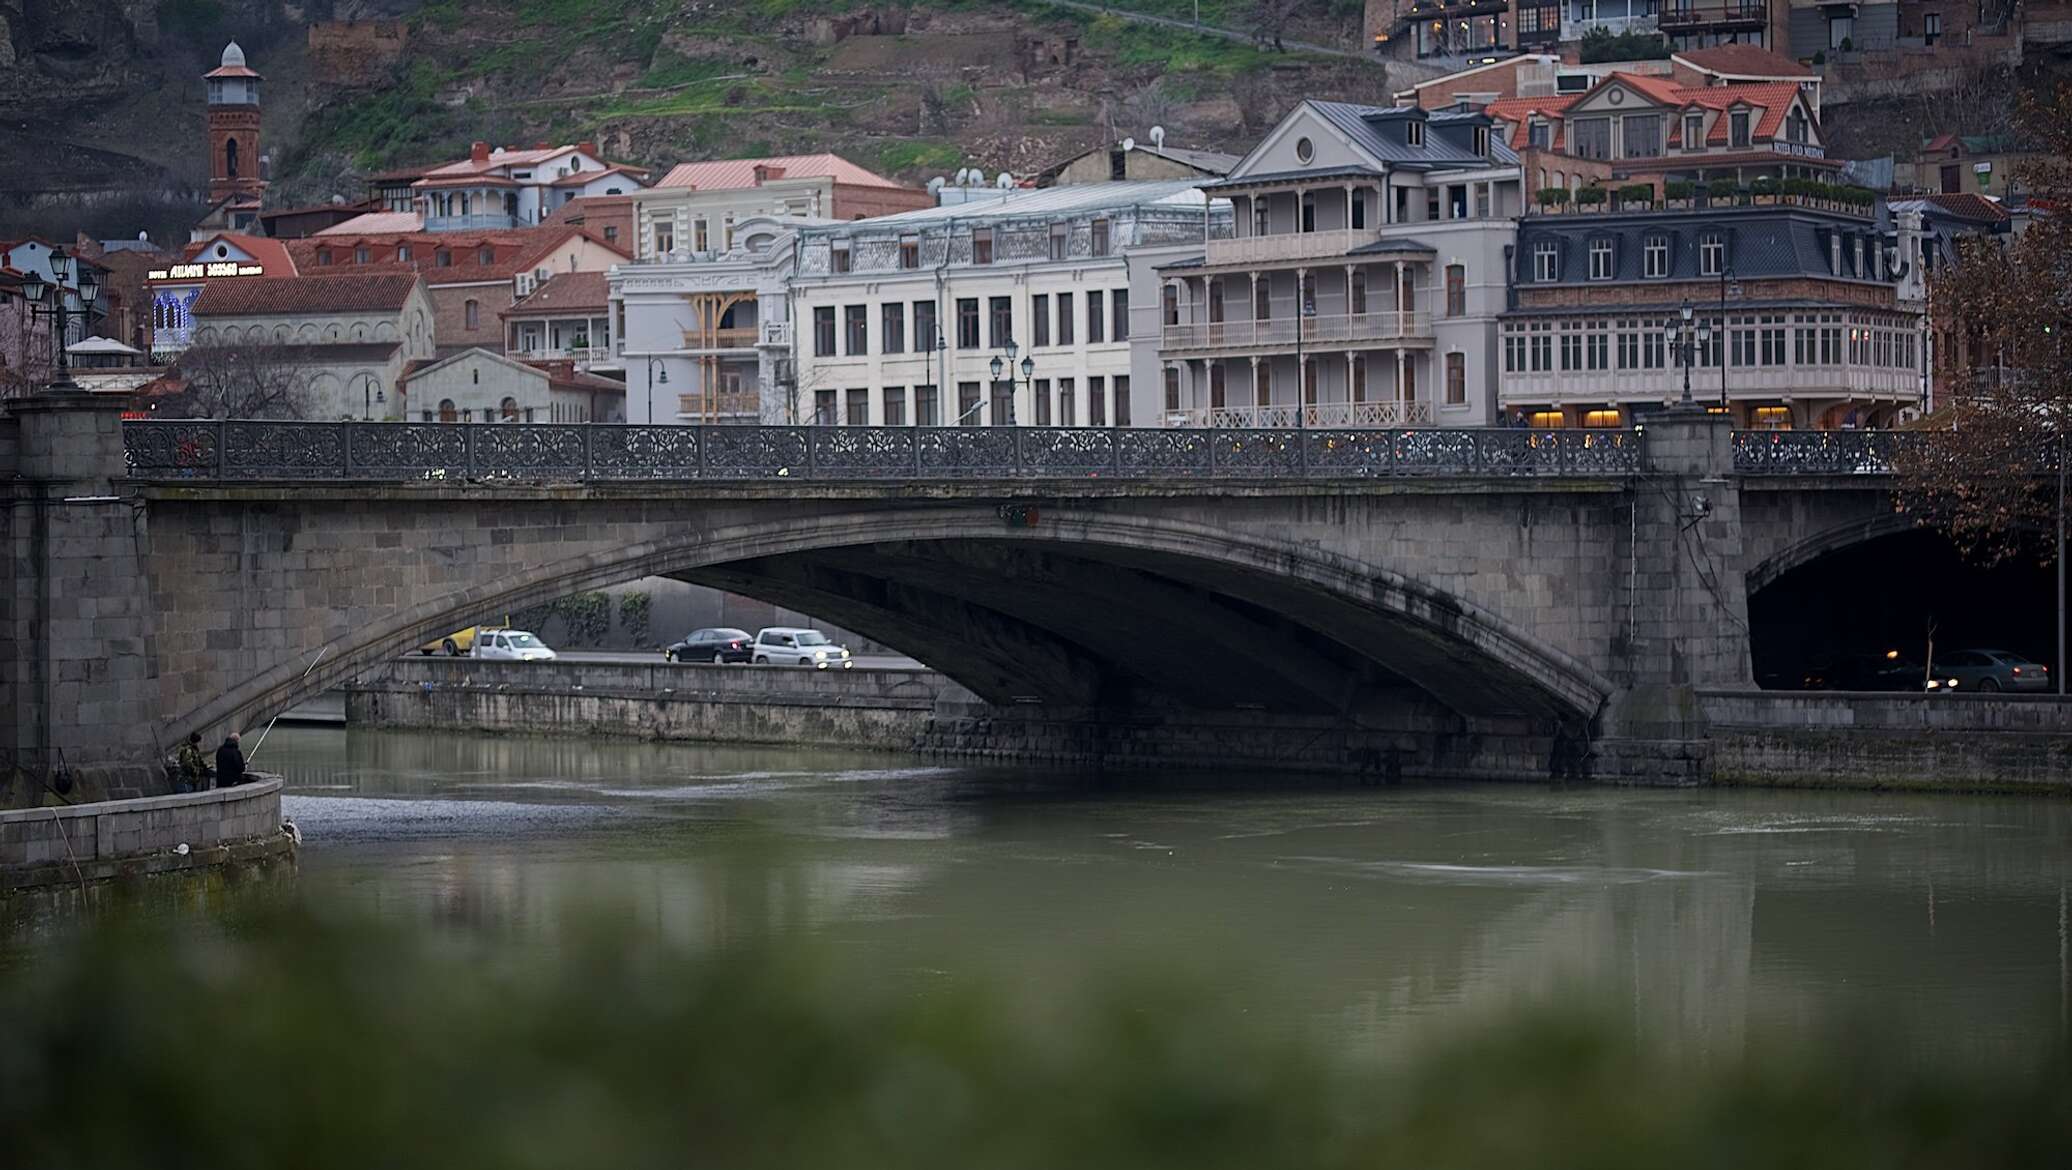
194 766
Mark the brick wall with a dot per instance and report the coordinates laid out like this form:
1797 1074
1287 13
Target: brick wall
450 316
1613 296
858 202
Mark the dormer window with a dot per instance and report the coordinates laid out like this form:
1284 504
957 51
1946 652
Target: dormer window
1546 261
1737 128
1712 254
443 258
1540 135
1654 254
402 253
1097 238
1694 132
1482 141
982 246
487 255
1601 266
910 252
323 255
1413 132
1060 240
839 258
1795 127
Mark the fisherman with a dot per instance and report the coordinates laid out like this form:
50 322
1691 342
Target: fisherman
194 767
230 763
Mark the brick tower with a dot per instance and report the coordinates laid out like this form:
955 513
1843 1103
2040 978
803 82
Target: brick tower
234 129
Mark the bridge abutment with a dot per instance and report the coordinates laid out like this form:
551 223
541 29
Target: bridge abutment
76 638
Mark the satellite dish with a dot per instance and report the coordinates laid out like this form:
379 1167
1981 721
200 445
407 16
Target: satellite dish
936 184
1129 144
1157 137
338 201
144 237
1005 181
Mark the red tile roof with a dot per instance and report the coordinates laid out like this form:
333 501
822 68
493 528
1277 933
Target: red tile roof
566 292
1745 61
1970 206
1517 113
1772 98
229 71
270 296
272 255
510 252
737 173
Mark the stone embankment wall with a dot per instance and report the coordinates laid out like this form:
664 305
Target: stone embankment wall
84 843
2003 743
882 709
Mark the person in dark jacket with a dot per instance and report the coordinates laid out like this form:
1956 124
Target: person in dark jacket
194 767
230 763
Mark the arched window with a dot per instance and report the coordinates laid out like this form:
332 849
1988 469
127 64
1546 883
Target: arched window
510 410
447 411
230 158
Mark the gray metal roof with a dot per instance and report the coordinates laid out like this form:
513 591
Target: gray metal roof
1213 161
1385 247
1174 194
1348 172
1437 152
1771 241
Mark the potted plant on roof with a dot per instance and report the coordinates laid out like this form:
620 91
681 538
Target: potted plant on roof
1552 199
1677 193
1591 197
1637 196
1764 189
1722 193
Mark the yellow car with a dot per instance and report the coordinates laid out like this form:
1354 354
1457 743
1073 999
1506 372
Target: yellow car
454 644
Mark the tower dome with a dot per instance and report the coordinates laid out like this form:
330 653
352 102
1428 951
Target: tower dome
233 57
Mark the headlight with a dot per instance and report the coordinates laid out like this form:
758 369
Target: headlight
820 654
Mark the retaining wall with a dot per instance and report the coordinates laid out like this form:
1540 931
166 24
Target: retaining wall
2005 743
84 843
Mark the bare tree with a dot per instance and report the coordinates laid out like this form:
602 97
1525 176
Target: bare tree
1148 106
243 380
1994 481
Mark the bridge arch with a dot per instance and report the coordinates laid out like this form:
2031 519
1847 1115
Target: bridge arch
1826 541
1012 607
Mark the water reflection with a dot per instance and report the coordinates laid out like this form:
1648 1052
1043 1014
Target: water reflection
1359 913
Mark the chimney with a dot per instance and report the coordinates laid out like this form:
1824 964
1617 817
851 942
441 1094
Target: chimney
479 152
764 172
543 146
589 148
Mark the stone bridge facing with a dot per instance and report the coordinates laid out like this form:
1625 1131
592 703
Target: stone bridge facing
1491 581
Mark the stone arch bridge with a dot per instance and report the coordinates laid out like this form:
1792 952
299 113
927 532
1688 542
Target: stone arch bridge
1456 596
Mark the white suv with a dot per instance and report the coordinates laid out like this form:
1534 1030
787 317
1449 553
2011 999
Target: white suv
511 646
790 645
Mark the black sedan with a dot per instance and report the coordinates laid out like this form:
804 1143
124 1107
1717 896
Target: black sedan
714 645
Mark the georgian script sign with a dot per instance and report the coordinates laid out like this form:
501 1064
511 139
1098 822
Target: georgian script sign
202 271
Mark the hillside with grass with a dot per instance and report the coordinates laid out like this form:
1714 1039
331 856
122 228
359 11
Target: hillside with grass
915 90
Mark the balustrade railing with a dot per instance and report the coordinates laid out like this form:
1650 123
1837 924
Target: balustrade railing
1816 452
1385 325
236 451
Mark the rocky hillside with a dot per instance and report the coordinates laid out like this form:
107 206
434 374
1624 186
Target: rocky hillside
107 90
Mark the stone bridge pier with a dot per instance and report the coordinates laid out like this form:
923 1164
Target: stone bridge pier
1427 603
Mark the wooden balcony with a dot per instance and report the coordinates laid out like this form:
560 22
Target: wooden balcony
722 339
740 404
1289 246
1321 332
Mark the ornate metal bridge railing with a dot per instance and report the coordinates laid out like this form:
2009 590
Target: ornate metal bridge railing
293 451
1816 452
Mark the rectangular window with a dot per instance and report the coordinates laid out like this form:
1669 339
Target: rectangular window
924 326
927 410
1651 349
982 246
1001 319
1359 209
1456 379
1068 411
1000 411
1119 315
1546 261
1772 346
1629 350
823 408
857 329
910 253
665 240
1039 319
967 322
1594 344
1060 240
1737 128
1590 138
892 405
1122 400
824 331
1456 290
838 258
1600 259
1172 389
1097 237
892 327
1712 255
1309 212
1542 351
700 234
1064 318
859 408
968 405
1097 402
1643 134
1262 217
1694 132
1655 257
1096 320
1041 392
1571 350
1514 352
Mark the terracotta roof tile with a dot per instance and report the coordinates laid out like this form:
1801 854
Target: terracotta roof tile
1970 206
270 296
510 252
737 173
270 254
1745 61
567 292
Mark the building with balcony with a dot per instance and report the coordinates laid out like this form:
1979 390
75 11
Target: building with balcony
1027 310
1798 303
1617 17
1361 282
1704 24
694 210
493 189
567 317
707 337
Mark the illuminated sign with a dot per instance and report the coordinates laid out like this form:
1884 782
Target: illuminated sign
206 271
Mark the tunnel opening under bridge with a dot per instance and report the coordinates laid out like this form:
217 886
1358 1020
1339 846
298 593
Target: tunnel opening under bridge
1086 611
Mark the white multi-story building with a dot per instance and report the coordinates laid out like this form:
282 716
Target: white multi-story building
695 211
1018 311
493 189
707 338
1362 281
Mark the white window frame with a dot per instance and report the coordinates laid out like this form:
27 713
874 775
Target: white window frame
1546 262
1601 250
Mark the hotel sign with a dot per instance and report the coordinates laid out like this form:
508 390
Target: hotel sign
206 271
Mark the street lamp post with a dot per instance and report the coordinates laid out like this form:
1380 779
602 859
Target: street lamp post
651 381
1680 335
59 313
369 395
1028 379
1726 276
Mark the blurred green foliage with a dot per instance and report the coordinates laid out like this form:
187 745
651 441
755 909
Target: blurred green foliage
284 1040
